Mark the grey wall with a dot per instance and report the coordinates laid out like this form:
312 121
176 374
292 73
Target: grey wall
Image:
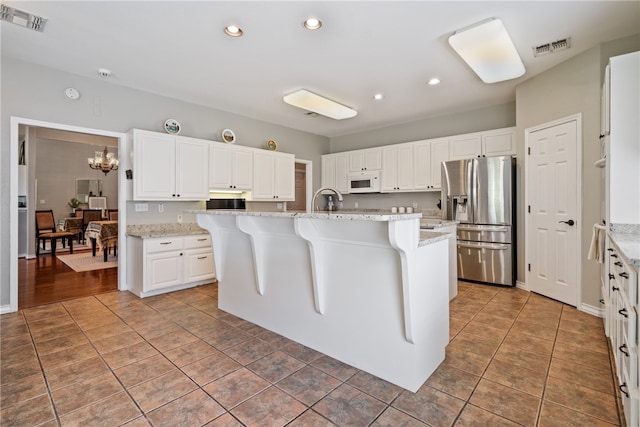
36 92
569 88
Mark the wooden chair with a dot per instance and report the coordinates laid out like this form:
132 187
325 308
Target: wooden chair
46 230
112 214
89 215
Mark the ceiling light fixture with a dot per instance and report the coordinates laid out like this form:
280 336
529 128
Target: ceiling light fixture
312 23
489 51
233 31
377 96
104 161
24 19
310 101
434 81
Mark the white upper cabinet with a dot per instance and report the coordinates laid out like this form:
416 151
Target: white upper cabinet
427 160
397 168
169 167
365 160
230 167
335 168
500 142
273 176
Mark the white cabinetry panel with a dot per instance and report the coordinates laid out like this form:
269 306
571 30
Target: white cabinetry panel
231 167
365 160
274 176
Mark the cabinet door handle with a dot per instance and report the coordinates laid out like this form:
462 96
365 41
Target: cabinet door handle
610 249
618 263
204 257
623 350
623 389
601 301
612 276
613 288
166 243
201 240
624 274
623 311
614 255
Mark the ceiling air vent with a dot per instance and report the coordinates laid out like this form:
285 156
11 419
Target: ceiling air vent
543 49
24 19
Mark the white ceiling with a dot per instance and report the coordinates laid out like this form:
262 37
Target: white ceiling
178 49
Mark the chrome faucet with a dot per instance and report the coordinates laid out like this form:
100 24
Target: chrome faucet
314 208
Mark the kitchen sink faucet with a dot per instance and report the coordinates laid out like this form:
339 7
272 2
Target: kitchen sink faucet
314 207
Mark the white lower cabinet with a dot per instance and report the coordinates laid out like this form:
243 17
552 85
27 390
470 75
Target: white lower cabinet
621 324
162 264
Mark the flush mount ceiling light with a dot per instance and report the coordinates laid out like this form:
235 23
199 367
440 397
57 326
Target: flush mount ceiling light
434 81
233 31
309 101
489 51
378 96
24 19
312 23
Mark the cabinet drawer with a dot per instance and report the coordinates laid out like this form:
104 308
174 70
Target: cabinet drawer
199 265
164 244
627 321
197 241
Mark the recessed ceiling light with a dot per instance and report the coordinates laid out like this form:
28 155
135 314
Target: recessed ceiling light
310 101
434 81
312 23
377 96
233 31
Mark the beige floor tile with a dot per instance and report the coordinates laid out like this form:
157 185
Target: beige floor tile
161 390
514 405
143 370
85 392
582 375
236 387
30 412
79 371
44 312
190 353
61 343
210 368
106 345
104 331
309 385
453 381
471 362
271 407
374 386
523 358
587 342
334 367
472 416
275 366
311 418
130 354
581 399
430 406
24 389
348 406
249 351
226 420
67 356
553 415
193 409
529 342
117 409
18 370
391 417
582 356
509 375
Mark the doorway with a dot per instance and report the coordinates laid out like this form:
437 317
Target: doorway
553 200
16 123
303 186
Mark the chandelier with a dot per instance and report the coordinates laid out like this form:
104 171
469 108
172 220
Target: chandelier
104 161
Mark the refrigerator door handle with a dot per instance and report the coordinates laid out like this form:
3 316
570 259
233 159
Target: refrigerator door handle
482 228
491 246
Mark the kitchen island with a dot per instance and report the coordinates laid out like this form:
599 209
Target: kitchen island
370 290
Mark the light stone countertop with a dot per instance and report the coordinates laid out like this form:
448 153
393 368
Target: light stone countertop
336 215
627 238
428 237
145 231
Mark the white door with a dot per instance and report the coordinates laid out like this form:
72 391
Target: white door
553 241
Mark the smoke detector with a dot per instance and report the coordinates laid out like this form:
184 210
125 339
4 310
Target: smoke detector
103 72
551 47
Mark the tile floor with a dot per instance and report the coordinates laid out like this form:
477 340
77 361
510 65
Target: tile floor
515 358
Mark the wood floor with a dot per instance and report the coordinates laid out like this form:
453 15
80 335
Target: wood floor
46 279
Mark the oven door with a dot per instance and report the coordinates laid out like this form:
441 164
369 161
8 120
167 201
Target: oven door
485 262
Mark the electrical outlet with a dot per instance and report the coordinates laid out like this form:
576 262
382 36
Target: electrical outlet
179 219
415 205
142 207
355 205
42 202
278 205
160 207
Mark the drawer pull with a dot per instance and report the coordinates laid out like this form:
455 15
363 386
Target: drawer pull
623 311
610 249
624 274
202 257
612 276
601 301
166 243
623 389
614 256
613 288
618 263
623 350
202 240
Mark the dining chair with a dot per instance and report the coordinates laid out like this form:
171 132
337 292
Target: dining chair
46 230
89 215
112 214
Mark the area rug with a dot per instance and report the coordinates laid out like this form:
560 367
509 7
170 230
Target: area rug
84 261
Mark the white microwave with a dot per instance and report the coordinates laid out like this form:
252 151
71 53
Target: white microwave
364 182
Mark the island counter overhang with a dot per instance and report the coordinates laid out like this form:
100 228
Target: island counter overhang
369 290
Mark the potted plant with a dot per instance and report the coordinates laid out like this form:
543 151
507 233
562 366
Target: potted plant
74 204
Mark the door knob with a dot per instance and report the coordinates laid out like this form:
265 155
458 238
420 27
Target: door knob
570 222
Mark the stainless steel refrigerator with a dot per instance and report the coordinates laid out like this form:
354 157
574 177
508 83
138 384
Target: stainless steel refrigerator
480 194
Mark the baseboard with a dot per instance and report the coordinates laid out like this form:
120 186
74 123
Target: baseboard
4 309
589 309
521 285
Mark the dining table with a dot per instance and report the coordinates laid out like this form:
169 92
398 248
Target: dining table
103 236
72 225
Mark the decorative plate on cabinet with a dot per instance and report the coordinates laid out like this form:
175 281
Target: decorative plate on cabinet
172 126
228 136
272 145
